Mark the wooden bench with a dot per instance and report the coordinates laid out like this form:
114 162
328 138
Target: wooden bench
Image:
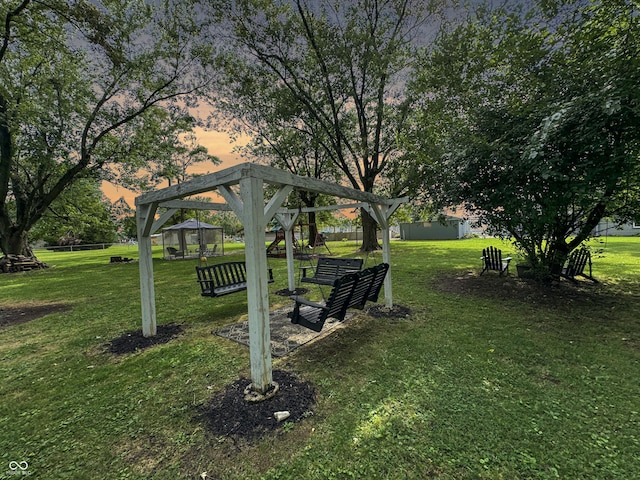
576 264
492 260
327 270
349 291
313 315
224 278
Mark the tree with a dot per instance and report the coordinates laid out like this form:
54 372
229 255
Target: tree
531 120
282 133
81 213
227 220
280 139
163 150
335 72
76 81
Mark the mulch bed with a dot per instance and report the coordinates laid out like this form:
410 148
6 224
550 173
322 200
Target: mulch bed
230 415
557 293
25 313
130 342
286 292
381 311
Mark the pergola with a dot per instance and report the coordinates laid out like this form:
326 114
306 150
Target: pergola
243 186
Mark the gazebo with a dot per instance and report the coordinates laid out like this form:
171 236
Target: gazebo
192 238
243 188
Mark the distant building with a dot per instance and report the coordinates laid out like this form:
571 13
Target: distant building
450 228
612 229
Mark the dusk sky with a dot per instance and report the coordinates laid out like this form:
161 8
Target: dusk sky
218 144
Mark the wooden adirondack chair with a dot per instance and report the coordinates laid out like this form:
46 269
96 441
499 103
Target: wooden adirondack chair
492 260
576 264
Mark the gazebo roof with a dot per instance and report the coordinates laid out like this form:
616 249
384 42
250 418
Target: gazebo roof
191 224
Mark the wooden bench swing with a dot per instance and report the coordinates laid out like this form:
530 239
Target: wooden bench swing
328 269
352 290
224 278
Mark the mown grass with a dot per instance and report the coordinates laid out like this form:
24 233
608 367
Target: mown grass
469 386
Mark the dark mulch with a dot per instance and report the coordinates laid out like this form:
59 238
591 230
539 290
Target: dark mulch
25 313
381 311
553 294
286 292
230 415
130 342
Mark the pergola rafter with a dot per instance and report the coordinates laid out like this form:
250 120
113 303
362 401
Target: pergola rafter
249 205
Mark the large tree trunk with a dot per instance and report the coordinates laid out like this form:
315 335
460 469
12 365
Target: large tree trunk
15 242
309 200
369 232
313 229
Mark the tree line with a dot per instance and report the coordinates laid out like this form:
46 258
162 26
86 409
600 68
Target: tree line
523 115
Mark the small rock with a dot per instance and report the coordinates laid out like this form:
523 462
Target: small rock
280 416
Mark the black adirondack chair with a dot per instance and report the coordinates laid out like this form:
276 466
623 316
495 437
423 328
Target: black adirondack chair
492 260
576 263
175 253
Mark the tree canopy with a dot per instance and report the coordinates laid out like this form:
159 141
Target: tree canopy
76 80
80 215
323 81
530 119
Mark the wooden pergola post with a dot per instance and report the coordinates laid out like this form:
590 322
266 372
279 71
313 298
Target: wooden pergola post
145 267
287 221
382 213
254 223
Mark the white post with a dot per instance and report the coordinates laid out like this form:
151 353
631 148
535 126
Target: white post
287 221
382 214
251 192
386 258
145 266
291 275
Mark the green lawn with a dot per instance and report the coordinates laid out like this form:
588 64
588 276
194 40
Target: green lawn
522 385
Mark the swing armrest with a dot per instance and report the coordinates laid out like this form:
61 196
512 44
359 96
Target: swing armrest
305 268
304 301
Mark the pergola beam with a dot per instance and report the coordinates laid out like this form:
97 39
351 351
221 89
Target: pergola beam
162 220
195 205
270 175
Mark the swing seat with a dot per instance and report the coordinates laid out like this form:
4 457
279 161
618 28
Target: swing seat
362 288
353 290
368 286
224 278
313 315
329 269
